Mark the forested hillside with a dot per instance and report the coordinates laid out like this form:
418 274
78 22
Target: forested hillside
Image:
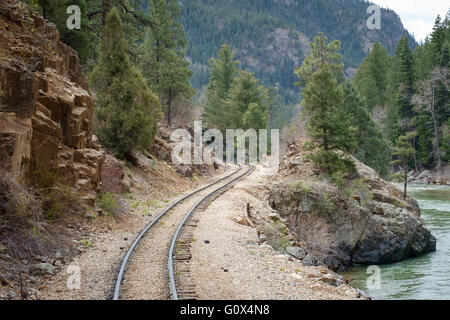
401 84
270 37
409 94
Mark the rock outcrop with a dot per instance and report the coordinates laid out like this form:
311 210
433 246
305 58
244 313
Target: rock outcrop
367 223
46 107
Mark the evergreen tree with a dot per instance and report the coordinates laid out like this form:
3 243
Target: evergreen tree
418 82
437 41
423 60
446 141
223 71
162 55
401 113
372 78
405 79
372 147
247 103
323 97
127 109
56 11
404 153
280 112
322 56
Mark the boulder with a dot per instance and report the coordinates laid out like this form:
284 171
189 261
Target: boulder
296 252
41 269
184 170
331 280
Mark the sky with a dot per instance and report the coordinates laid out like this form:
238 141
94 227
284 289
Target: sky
418 16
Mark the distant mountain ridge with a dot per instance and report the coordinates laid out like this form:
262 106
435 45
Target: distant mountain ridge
271 37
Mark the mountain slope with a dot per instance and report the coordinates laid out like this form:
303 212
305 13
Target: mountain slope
272 36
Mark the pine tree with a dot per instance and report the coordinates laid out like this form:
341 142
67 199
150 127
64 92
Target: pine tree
437 41
401 114
323 97
372 78
162 55
404 152
56 12
405 79
85 41
127 109
280 112
446 141
223 71
372 147
322 56
247 103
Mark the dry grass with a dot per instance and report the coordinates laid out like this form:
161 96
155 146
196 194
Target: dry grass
16 202
57 198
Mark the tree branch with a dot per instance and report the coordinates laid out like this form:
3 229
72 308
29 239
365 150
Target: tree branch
91 14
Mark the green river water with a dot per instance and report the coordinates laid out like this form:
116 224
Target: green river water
426 277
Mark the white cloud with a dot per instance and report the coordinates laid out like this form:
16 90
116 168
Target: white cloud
418 16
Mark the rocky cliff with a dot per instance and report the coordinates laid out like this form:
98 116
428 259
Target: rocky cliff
46 108
364 222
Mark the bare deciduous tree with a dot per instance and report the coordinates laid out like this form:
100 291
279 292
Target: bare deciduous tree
425 100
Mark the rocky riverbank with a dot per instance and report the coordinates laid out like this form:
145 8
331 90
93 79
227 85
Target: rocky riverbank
366 222
439 177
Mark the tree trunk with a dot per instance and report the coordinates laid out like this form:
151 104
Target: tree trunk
106 6
169 107
325 140
437 150
406 183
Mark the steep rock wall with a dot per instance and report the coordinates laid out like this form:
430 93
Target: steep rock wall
46 108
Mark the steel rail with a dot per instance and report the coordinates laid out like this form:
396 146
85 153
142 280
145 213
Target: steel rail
132 248
173 288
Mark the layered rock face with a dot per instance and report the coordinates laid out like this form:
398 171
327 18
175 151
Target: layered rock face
369 223
46 107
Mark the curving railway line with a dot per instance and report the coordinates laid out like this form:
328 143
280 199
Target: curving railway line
177 257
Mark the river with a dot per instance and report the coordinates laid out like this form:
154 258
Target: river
423 278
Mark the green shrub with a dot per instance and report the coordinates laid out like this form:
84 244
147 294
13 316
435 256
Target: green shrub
302 187
276 234
108 202
331 162
325 206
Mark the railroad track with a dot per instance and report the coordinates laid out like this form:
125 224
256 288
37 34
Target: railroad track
179 248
